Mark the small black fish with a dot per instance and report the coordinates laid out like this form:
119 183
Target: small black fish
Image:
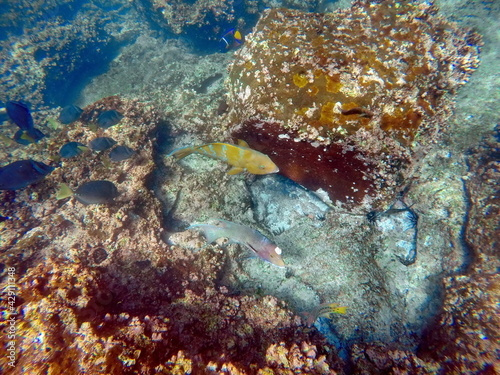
72 149
109 118
69 114
120 153
92 192
102 143
358 111
22 173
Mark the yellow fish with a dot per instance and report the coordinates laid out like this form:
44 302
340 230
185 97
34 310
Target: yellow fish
325 310
240 157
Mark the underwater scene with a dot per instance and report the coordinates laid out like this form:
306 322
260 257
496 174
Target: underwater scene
250 187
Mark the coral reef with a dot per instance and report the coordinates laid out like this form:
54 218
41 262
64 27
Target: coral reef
111 289
74 319
49 62
204 22
32 208
177 16
466 336
346 102
99 290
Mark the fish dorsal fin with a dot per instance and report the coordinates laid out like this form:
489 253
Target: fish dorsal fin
235 170
64 192
242 143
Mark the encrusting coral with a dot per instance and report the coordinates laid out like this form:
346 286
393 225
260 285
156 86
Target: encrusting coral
346 101
466 336
48 61
98 288
73 319
99 291
120 300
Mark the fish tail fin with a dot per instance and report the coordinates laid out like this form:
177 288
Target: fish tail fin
26 137
182 152
64 192
335 308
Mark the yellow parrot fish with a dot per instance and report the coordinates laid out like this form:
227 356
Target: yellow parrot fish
241 157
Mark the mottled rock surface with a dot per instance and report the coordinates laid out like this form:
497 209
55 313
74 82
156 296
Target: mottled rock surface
349 101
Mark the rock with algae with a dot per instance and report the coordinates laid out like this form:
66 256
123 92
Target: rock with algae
348 101
97 288
77 318
464 337
50 57
204 22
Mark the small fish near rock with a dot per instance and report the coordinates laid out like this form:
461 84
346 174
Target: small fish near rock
72 149
240 157
109 118
324 310
22 173
252 239
101 143
120 153
70 114
92 192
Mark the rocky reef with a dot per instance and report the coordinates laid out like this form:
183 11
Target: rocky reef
466 336
98 289
204 22
348 102
54 56
123 288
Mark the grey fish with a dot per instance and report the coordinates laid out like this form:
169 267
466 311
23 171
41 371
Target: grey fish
72 149
250 238
102 143
70 114
92 192
109 118
120 153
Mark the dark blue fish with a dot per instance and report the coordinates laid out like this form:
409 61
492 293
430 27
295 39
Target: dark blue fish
109 118
102 143
22 173
20 114
120 153
92 192
72 149
69 114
